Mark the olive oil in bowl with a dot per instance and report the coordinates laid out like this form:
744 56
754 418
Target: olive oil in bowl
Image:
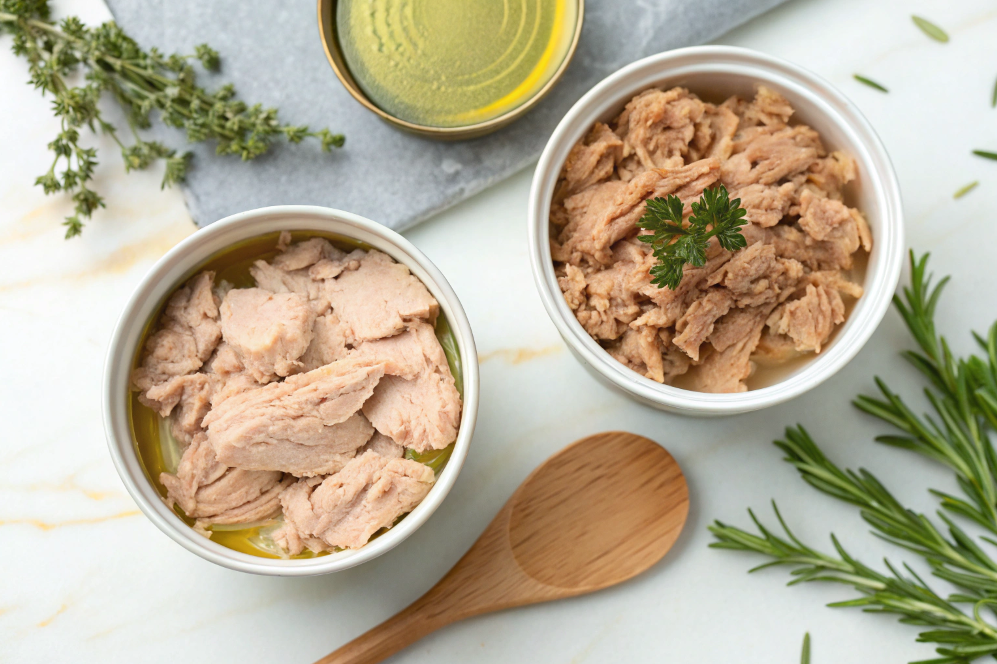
159 452
454 63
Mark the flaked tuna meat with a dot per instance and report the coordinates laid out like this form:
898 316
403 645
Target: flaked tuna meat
306 425
346 509
768 156
774 349
584 211
714 135
407 355
809 320
696 324
328 343
422 413
656 127
641 350
766 205
266 385
227 374
330 268
825 219
756 275
188 333
611 221
573 286
613 293
384 446
767 108
591 161
191 396
832 173
801 235
822 218
734 339
305 253
379 299
300 281
211 492
270 331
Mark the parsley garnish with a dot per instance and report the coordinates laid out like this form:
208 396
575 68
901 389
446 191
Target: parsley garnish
675 244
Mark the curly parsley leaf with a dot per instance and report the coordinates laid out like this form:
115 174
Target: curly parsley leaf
675 243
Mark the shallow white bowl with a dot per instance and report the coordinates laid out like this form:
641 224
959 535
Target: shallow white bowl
180 264
716 72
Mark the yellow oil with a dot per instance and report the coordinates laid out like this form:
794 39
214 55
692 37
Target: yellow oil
158 452
453 63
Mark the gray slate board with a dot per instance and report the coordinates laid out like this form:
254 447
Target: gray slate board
271 51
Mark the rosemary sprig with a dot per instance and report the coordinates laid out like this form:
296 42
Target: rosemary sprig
674 243
963 396
141 82
955 558
960 636
964 401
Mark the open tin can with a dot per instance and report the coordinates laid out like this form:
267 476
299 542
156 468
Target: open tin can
330 34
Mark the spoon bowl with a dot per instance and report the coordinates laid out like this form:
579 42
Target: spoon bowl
597 513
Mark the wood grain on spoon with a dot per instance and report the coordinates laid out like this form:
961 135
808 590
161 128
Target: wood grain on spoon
597 513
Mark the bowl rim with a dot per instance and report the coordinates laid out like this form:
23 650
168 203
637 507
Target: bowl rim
333 53
127 332
613 92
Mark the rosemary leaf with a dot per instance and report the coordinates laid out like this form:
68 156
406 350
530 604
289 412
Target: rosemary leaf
930 29
871 83
805 656
993 97
965 190
985 154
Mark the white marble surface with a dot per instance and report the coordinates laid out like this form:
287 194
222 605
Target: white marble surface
86 578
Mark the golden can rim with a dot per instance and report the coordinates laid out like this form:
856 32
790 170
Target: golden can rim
326 24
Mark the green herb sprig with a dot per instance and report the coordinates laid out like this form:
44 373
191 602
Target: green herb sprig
141 82
963 397
675 243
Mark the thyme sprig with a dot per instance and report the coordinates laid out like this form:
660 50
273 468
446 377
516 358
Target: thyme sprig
963 397
141 82
675 243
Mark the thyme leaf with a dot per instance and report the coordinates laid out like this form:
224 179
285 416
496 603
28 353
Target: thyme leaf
142 83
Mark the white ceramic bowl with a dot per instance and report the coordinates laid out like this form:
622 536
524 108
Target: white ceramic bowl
716 72
180 264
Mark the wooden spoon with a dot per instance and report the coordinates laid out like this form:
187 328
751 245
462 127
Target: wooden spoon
597 513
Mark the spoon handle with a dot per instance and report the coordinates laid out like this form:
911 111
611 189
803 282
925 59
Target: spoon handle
486 579
394 634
